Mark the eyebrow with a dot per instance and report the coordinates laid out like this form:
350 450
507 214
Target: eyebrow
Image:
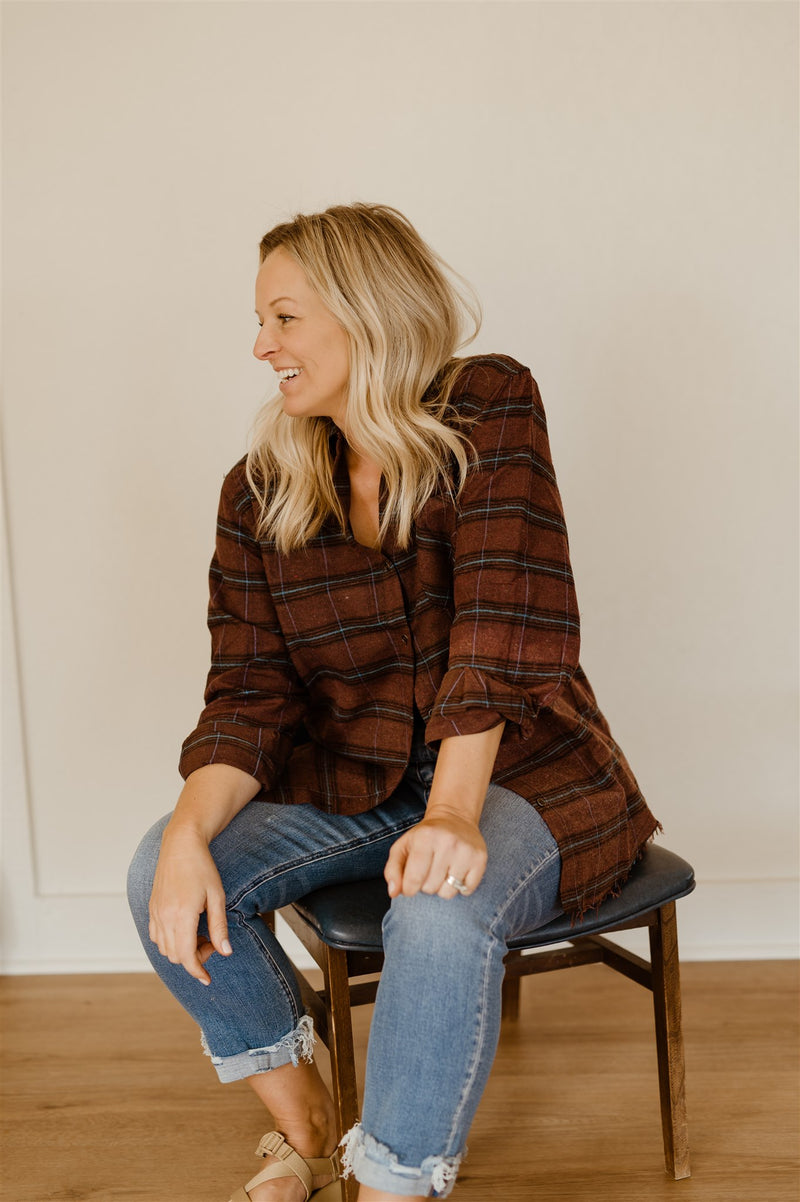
277 301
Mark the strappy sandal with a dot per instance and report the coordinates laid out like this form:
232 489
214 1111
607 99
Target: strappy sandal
292 1164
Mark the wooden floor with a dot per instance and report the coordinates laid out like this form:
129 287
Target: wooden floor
107 1097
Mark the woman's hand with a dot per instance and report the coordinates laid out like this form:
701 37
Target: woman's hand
448 842
187 884
444 844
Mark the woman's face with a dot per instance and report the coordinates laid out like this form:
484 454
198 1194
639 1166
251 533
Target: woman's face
301 340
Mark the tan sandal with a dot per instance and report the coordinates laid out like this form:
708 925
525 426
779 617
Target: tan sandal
292 1164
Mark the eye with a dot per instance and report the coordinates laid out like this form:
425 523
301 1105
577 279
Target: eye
284 317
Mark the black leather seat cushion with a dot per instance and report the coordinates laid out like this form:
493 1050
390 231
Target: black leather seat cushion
349 916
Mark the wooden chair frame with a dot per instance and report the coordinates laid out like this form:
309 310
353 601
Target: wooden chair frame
330 1008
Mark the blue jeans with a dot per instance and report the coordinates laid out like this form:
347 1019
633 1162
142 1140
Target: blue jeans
437 1014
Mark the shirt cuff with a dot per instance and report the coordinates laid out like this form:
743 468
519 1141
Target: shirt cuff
229 744
470 701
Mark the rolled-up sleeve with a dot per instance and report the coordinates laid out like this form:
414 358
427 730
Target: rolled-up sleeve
254 698
515 635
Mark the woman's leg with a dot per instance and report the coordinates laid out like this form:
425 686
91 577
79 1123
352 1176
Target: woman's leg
302 1110
437 1015
251 1016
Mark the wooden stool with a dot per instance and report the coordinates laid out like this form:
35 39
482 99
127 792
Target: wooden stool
341 927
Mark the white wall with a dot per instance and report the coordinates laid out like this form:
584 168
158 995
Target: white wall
618 180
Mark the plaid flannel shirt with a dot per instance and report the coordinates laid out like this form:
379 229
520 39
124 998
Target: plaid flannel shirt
319 656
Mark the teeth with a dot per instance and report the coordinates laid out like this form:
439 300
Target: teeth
288 373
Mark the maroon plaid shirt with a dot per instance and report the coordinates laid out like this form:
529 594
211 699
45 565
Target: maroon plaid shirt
319 656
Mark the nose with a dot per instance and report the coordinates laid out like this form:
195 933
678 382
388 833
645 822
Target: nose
265 344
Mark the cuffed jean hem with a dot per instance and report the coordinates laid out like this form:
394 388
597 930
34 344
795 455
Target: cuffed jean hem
291 1049
373 1164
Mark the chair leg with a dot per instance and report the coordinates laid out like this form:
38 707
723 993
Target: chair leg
510 996
669 1040
340 1047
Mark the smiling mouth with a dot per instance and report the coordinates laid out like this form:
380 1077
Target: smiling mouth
288 373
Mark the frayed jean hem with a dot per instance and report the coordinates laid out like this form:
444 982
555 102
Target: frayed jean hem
291 1049
373 1164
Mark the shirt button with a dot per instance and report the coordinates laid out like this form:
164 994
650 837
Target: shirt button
404 638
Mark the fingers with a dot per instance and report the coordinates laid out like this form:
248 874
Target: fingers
218 922
440 868
418 868
194 965
177 939
409 865
205 948
180 944
422 864
456 859
395 866
422 859
469 878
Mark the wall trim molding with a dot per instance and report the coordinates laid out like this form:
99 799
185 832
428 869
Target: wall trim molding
78 936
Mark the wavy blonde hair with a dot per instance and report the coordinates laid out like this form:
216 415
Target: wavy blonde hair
405 314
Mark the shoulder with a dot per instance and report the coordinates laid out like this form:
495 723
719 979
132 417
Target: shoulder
488 372
493 382
235 485
236 498
494 400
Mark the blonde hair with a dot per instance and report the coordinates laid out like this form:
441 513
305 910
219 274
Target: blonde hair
404 319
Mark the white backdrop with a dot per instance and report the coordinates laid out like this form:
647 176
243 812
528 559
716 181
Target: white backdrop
618 181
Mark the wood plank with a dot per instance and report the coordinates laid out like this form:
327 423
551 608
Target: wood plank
107 1098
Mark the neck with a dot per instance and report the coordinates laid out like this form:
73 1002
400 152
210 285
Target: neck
359 464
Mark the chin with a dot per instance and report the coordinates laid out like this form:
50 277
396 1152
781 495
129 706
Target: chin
294 407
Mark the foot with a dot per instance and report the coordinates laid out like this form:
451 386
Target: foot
290 1188
284 1189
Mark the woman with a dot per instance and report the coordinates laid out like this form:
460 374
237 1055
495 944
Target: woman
394 689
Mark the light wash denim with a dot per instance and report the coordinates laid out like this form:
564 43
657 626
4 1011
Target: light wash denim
437 1014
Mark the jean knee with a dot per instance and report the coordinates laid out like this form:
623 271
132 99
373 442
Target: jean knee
435 927
142 871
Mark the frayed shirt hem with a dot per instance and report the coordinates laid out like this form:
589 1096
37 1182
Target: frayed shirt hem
375 1165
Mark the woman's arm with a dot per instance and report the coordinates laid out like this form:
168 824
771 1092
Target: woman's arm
254 697
515 637
447 842
254 701
187 882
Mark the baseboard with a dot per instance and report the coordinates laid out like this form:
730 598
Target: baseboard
721 920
